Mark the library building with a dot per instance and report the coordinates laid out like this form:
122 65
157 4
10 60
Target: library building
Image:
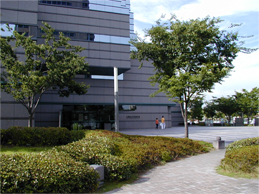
104 29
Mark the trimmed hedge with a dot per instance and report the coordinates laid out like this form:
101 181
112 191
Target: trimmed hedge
99 150
39 136
243 159
201 124
242 143
46 172
242 156
152 150
65 169
136 153
122 155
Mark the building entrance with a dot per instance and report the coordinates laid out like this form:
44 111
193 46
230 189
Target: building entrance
88 116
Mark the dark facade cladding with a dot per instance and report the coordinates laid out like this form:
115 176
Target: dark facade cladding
104 28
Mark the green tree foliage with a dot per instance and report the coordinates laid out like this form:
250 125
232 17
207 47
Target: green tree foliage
196 111
248 102
189 57
226 105
209 110
53 63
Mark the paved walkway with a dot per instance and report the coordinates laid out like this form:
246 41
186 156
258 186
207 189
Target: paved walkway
209 134
195 174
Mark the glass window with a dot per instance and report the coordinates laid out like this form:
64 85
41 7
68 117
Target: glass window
55 32
57 3
120 77
25 33
87 116
127 107
90 37
86 5
23 26
132 27
112 39
6 32
109 6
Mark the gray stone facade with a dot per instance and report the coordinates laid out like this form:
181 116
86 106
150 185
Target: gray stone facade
104 29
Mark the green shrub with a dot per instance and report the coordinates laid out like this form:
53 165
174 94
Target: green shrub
228 124
39 136
76 135
243 159
201 124
115 168
121 155
242 143
166 156
151 148
99 150
140 152
46 172
77 126
217 124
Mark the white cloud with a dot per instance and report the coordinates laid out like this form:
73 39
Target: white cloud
150 10
216 8
245 74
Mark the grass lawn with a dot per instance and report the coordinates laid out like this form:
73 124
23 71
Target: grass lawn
240 174
22 149
111 185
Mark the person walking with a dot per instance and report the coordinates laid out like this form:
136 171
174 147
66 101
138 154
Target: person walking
157 122
163 122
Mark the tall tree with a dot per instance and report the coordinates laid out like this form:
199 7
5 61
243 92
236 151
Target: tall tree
209 110
53 63
196 111
189 57
226 105
248 102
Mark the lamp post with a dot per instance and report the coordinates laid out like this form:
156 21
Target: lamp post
116 99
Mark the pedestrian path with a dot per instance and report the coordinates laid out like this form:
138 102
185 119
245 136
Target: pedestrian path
196 174
193 175
208 134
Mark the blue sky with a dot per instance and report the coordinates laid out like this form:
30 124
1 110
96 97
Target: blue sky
246 72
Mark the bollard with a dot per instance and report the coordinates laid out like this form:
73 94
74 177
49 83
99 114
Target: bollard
100 170
218 143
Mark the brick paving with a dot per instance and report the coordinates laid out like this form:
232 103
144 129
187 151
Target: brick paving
196 174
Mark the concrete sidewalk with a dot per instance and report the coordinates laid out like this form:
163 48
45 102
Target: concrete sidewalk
195 174
208 134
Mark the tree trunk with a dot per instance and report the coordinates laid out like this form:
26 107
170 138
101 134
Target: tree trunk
249 119
30 119
184 115
229 119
